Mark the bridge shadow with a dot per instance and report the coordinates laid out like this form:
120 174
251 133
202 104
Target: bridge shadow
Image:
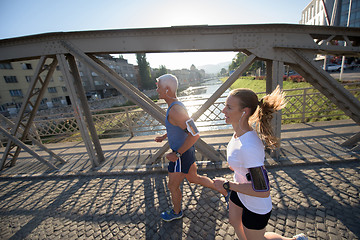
313 200
315 141
320 200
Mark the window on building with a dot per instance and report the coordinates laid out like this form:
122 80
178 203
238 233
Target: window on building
94 74
16 93
56 100
5 66
318 6
10 79
61 79
26 66
81 74
28 78
64 89
312 11
43 101
58 68
52 89
98 83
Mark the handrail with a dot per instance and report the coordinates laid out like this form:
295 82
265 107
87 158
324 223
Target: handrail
131 120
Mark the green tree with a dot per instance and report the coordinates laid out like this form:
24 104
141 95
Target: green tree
223 72
237 61
240 59
144 70
161 71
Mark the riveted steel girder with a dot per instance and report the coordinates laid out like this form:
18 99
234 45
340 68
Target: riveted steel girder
275 43
261 40
25 118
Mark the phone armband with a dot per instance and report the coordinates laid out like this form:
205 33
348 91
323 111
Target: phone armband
259 179
191 127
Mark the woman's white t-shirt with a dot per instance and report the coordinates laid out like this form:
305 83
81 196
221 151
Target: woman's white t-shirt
245 152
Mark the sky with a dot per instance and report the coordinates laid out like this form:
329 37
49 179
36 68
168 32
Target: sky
29 17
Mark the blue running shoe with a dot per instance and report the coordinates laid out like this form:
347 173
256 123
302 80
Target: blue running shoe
171 215
300 236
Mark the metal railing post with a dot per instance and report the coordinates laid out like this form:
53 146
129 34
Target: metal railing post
303 106
129 122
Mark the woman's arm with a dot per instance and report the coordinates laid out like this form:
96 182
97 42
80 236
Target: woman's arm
245 188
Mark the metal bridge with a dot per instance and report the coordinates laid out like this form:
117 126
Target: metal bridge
276 44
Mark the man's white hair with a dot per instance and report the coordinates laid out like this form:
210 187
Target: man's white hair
170 81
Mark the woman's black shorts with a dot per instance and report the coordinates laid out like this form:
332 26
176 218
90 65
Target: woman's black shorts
250 219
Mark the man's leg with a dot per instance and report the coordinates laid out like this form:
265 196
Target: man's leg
175 179
193 177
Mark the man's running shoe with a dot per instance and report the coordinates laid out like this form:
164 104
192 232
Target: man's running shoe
170 215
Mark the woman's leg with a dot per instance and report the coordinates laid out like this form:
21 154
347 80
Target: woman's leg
261 234
235 219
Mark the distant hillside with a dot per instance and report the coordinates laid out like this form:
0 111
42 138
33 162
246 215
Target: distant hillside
214 68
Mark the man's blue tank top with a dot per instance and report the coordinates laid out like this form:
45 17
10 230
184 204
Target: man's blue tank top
176 135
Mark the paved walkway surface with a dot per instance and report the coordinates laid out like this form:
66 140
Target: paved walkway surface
319 200
315 190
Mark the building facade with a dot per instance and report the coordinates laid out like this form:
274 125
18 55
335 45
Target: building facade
15 78
332 13
187 77
96 87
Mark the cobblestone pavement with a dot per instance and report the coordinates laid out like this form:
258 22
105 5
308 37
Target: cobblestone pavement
319 200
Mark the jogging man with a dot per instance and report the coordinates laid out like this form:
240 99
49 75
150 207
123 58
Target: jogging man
182 135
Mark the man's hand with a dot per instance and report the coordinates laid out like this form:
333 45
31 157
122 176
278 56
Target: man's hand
160 138
171 157
218 183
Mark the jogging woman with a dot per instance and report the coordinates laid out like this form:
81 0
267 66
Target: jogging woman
250 202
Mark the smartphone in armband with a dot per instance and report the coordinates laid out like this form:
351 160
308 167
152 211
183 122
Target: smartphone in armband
259 179
191 127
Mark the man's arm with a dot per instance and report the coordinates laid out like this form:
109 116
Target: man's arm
178 117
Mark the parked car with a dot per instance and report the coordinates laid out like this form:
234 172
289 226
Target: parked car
333 67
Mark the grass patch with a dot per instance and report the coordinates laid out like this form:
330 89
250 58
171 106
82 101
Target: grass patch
317 106
260 85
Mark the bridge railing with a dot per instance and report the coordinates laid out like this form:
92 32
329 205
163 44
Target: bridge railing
304 104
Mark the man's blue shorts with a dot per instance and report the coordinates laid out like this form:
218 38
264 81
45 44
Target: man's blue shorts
184 162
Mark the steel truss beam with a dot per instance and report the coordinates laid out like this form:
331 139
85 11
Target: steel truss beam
274 78
34 140
326 84
81 109
277 44
20 144
134 95
31 102
260 38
